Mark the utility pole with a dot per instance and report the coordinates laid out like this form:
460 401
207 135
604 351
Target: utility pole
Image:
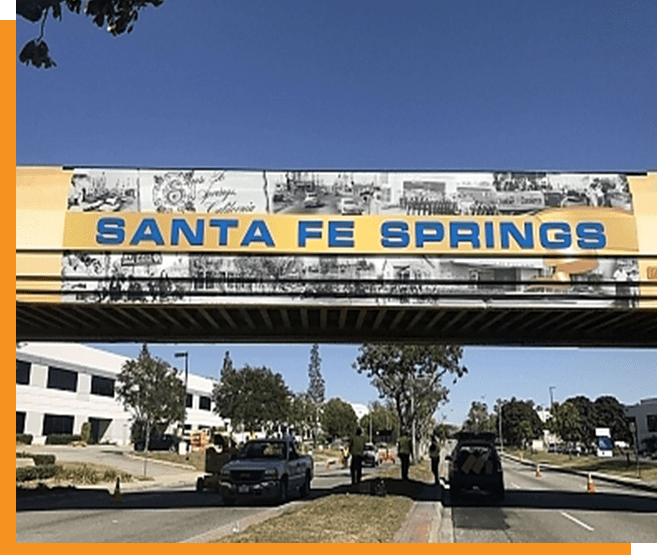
551 388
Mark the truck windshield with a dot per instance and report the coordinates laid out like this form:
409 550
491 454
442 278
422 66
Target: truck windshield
263 450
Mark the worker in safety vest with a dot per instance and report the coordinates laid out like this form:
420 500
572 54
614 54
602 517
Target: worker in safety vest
404 449
356 448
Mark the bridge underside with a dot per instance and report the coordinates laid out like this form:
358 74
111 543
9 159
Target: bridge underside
335 324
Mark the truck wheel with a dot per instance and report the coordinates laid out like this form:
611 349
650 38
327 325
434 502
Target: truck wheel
304 490
282 491
200 484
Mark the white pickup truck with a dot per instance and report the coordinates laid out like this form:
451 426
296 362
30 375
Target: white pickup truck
267 469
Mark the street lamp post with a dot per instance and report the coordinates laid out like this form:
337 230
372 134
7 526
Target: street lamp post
184 354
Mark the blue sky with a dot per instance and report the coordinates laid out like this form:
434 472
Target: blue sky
524 373
508 85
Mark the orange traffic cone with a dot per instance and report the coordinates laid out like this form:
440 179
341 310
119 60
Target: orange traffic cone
590 486
117 491
538 470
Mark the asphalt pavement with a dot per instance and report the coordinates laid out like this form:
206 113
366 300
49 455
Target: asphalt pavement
556 506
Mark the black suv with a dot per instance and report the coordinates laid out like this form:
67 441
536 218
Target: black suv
474 463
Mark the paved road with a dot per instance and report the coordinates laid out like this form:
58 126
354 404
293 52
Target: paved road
171 514
552 508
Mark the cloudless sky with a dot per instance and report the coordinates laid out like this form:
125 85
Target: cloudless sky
493 373
504 85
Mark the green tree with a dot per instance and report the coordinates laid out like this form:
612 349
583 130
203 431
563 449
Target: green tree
316 388
443 431
525 432
227 365
383 417
514 413
610 413
411 377
151 390
478 419
587 418
252 397
338 418
302 413
566 422
117 16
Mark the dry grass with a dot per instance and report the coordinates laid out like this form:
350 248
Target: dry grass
334 519
420 471
345 518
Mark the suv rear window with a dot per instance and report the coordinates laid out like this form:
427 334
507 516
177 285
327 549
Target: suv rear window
476 459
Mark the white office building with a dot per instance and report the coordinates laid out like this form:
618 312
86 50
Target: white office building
60 386
644 417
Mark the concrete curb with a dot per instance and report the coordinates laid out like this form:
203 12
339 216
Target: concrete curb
423 523
160 461
236 527
630 482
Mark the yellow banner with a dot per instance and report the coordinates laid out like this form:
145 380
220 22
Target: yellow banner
583 231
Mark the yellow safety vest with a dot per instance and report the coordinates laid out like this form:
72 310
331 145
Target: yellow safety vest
357 445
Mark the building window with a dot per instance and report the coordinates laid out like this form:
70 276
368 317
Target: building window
20 422
23 372
102 386
651 421
204 403
62 379
188 400
57 424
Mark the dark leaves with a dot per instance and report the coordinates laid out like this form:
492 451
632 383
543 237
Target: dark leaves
117 16
32 10
36 53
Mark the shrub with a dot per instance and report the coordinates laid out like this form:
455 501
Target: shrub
24 438
40 472
40 460
86 474
85 432
62 439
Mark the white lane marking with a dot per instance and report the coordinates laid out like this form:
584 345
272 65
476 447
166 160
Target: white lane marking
513 485
577 521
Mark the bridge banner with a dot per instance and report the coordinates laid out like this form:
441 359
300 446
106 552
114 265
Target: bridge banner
427 238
